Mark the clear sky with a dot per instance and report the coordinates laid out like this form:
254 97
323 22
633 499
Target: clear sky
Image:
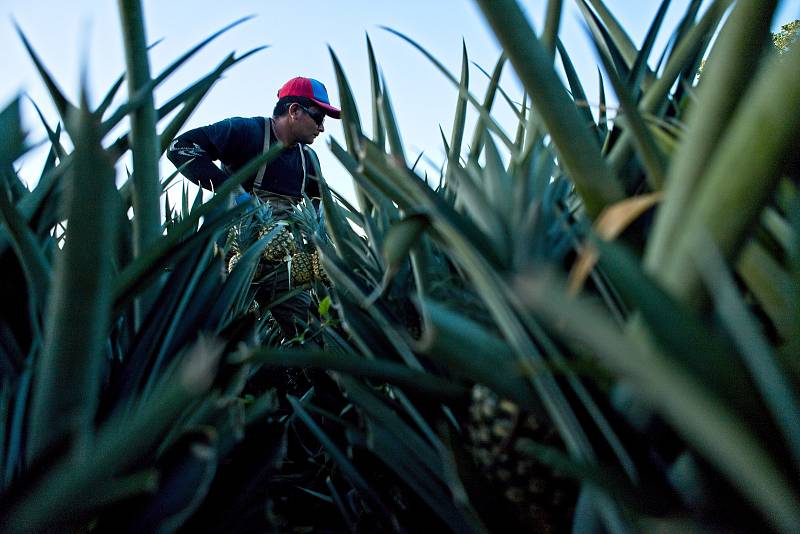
67 34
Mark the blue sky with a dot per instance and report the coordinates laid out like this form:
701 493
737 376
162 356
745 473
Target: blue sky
67 34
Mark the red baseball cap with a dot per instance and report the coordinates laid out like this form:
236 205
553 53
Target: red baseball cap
310 88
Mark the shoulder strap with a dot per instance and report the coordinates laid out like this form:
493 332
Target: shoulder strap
313 163
263 168
305 171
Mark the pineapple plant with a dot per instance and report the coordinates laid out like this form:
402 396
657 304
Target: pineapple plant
125 342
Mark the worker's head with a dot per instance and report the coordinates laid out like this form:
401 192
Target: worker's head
304 103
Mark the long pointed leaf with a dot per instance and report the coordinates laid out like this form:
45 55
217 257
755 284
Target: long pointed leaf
602 121
109 98
378 133
351 122
144 139
617 35
488 101
70 484
64 107
577 148
339 457
640 66
771 380
578 94
348 363
652 158
457 133
606 43
551 23
731 64
484 114
78 317
741 175
390 123
24 241
685 52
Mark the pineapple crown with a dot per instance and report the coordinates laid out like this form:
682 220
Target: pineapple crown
246 231
310 224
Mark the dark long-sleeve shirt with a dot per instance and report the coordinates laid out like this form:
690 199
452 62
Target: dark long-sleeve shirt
234 142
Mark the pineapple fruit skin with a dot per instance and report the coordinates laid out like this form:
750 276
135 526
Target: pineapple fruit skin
544 501
281 244
318 270
302 268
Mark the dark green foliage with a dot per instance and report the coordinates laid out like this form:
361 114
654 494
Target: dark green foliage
651 381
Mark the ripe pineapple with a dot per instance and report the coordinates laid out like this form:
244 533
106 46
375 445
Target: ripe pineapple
301 268
319 271
310 226
281 244
543 499
246 232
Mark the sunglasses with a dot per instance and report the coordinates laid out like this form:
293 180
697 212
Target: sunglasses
316 116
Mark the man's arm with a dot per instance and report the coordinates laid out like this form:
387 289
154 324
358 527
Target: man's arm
200 148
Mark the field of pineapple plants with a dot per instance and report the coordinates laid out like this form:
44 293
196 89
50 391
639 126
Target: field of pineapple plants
584 324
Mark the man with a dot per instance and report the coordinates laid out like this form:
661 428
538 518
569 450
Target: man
297 120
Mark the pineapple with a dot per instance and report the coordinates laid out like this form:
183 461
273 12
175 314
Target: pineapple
311 226
319 271
246 232
497 427
301 268
281 244
232 254
233 259
261 268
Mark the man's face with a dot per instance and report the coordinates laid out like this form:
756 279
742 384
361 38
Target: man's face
309 122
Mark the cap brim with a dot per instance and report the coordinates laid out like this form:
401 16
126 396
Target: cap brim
330 111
